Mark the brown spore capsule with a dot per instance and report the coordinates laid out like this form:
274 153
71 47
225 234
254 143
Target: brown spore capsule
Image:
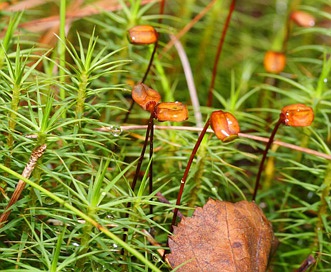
297 115
142 35
225 125
171 111
145 97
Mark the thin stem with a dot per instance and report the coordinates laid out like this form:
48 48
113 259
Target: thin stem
128 112
150 173
62 46
150 63
140 161
163 199
287 31
162 4
218 53
141 157
265 152
183 181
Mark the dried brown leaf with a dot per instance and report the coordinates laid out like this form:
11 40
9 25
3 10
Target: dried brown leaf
222 236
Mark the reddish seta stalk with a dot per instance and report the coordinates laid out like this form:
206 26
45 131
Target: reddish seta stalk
183 181
218 53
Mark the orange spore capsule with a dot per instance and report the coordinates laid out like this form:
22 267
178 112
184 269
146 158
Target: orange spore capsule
225 125
302 18
145 97
171 111
297 115
142 35
274 62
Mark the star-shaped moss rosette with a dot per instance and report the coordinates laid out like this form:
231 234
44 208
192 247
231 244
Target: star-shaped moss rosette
226 128
294 115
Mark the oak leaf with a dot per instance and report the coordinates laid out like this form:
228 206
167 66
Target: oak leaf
222 236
